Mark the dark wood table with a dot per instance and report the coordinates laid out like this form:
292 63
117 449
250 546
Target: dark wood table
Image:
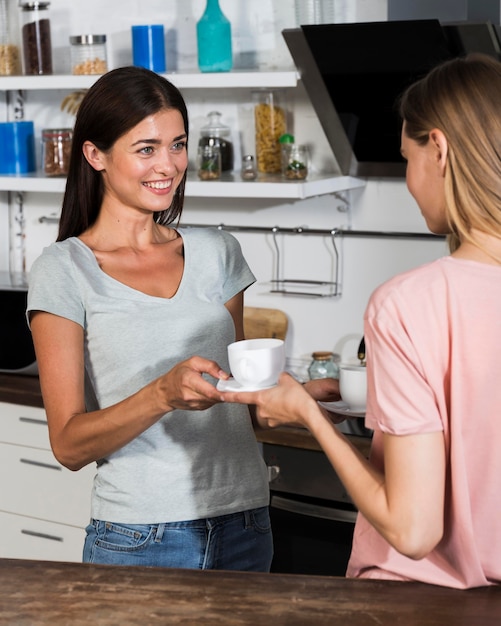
36 593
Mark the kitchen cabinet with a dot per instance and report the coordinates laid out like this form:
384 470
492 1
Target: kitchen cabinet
230 185
44 507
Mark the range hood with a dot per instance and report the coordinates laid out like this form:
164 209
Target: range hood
354 74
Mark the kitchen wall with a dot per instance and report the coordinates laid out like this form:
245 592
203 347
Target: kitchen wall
316 323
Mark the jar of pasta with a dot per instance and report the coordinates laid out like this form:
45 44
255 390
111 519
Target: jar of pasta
270 122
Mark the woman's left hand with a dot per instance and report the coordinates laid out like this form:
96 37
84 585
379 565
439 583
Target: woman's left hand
288 403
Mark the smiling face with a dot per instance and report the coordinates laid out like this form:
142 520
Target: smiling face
145 165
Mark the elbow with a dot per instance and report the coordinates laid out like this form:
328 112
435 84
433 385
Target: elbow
67 460
416 543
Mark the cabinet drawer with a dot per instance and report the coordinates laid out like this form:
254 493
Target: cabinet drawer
24 425
33 483
27 538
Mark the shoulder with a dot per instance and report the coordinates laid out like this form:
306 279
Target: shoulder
210 238
409 287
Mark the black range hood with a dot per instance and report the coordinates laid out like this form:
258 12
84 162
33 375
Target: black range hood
354 74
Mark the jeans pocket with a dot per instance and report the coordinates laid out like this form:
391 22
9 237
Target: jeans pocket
260 519
122 538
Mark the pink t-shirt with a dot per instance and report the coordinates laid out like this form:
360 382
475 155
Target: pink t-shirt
433 338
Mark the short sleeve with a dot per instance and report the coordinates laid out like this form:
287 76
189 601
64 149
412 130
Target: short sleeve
52 286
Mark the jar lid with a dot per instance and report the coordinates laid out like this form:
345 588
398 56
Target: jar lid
81 40
214 128
32 6
286 138
52 133
322 356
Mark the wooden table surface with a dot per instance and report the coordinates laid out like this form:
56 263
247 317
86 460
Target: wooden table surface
36 593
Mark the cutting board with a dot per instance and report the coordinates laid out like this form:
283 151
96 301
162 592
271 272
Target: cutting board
263 322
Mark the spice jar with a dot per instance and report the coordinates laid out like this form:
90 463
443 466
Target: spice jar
37 46
248 171
56 150
10 53
88 54
270 120
214 133
323 365
209 163
294 161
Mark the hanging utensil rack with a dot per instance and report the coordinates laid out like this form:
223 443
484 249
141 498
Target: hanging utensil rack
298 287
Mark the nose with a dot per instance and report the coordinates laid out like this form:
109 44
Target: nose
166 163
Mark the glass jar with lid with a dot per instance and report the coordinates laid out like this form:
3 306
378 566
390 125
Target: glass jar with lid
248 171
37 45
215 133
88 54
323 365
10 52
56 150
270 123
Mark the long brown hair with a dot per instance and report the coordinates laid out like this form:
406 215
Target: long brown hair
462 98
117 102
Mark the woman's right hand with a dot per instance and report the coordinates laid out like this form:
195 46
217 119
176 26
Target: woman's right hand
185 387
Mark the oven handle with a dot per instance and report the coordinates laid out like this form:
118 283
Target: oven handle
313 510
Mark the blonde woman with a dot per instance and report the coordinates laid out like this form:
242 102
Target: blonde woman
429 495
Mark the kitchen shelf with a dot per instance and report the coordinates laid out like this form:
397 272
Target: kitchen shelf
229 186
189 80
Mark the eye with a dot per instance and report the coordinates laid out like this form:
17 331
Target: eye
179 146
146 150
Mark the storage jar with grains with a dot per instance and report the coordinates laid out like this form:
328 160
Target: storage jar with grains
10 52
270 122
37 46
88 54
56 150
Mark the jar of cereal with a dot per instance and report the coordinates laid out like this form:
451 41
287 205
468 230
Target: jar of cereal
270 121
88 54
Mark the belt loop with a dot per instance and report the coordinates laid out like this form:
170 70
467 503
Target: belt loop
160 533
247 519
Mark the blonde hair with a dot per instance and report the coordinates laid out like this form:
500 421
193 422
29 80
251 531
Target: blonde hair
462 98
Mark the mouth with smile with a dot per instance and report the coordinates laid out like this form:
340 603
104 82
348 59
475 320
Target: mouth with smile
161 185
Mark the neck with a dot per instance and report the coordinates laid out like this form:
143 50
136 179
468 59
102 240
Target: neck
482 248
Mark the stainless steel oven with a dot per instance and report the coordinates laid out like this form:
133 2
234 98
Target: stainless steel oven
312 516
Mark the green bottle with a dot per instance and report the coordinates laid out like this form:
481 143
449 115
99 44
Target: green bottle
214 40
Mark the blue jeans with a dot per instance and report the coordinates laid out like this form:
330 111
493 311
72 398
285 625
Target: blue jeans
239 541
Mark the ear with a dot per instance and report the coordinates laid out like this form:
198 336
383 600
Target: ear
93 155
441 147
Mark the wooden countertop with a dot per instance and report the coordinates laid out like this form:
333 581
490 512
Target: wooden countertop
59 594
20 390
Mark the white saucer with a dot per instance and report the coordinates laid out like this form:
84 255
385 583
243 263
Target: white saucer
341 408
232 385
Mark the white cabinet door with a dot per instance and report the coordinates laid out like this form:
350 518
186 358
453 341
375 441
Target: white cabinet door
33 483
24 425
28 538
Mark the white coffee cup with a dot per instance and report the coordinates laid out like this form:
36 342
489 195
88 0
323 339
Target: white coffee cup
257 362
353 386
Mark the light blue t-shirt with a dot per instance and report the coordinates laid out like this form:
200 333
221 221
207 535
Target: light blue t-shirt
190 464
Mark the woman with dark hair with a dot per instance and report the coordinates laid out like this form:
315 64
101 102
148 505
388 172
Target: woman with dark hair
428 496
118 306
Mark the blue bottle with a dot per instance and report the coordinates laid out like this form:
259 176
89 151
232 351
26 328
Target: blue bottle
214 40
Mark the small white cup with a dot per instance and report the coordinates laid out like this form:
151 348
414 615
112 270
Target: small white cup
257 362
353 386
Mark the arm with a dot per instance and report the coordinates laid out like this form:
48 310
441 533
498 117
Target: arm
405 502
78 437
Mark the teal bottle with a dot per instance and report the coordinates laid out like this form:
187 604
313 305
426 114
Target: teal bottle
214 40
